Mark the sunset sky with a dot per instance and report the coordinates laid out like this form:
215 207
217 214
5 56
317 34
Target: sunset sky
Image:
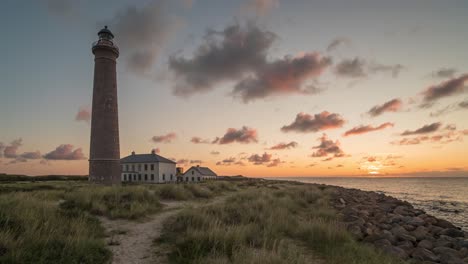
252 87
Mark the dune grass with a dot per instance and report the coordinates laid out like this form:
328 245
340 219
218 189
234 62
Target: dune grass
37 231
266 223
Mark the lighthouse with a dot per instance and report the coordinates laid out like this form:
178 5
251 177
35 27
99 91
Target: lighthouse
104 156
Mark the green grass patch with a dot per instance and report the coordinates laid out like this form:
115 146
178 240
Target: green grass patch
267 223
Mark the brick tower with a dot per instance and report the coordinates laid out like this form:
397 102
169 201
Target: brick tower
104 156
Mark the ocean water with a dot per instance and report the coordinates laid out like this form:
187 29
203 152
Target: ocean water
445 198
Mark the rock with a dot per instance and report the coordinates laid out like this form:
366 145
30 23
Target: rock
350 218
395 251
444 224
463 243
443 243
398 230
342 201
452 232
416 221
423 254
420 233
407 246
447 258
442 250
435 229
463 252
382 243
406 237
355 230
400 210
425 244
409 227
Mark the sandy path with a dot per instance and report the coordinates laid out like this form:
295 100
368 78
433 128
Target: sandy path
132 241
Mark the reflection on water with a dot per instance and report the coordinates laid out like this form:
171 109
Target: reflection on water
446 198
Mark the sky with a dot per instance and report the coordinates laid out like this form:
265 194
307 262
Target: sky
250 87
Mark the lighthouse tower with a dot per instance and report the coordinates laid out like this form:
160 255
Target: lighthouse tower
104 156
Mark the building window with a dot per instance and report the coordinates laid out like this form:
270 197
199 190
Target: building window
146 177
126 167
133 167
186 179
152 167
122 167
146 167
164 177
171 176
152 177
193 172
139 167
139 177
134 177
193 178
125 177
198 179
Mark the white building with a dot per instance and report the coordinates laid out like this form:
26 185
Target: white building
197 174
149 168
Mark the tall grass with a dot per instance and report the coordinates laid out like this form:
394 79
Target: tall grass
36 231
273 223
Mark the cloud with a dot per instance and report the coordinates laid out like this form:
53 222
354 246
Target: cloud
308 123
10 151
239 54
393 105
259 159
226 162
444 73
337 42
168 138
2 148
196 161
183 162
261 7
282 76
281 146
394 70
353 68
65 152
264 159
84 114
448 88
144 32
366 129
215 153
442 138
244 135
450 108
328 147
423 130
359 68
198 140
31 155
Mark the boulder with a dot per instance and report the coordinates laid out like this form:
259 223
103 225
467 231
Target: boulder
355 230
395 251
420 233
406 237
398 230
452 232
382 243
442 250
425 244
444 224
423 254
416 221
448 258
406 246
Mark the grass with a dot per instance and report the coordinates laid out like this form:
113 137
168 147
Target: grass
37 231
266 223
258 222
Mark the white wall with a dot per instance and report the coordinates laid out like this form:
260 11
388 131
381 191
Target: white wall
167 169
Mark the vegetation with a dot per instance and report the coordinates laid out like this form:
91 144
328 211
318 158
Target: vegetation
254 222
266 223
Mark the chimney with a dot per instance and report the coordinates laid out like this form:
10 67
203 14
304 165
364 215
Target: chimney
133 152
153 152
198 166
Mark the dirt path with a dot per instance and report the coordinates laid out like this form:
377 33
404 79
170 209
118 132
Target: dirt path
132 241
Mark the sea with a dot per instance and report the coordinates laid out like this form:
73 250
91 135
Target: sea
442 197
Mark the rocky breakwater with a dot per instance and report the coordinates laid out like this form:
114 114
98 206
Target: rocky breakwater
396 227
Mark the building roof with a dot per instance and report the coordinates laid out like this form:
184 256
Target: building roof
205 171
142 158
